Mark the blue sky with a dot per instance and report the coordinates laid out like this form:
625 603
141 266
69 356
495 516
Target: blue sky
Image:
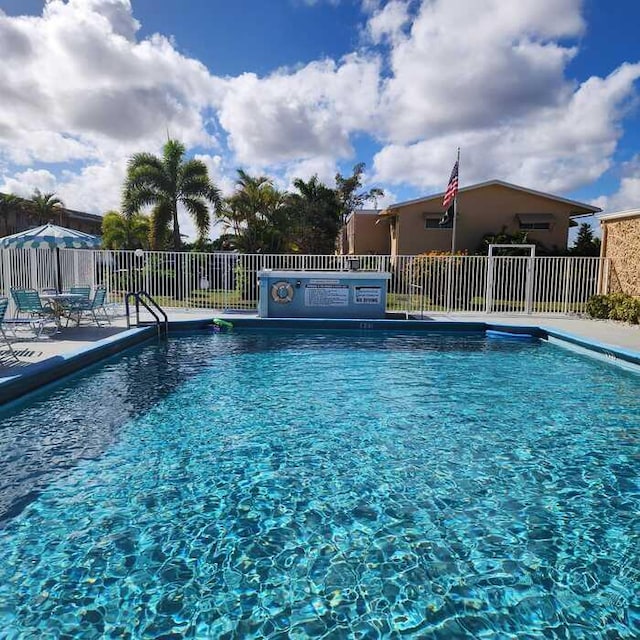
542 93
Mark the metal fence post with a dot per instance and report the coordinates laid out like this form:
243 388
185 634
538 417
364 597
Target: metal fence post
488 292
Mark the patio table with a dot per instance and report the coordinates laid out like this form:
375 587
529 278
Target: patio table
59 304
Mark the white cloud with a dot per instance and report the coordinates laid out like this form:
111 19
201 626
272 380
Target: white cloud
324 167
79 87
219 173
95 188
557 148
468 65
23 184
388 22
627 196
298 115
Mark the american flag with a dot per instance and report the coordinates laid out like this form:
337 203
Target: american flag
452 187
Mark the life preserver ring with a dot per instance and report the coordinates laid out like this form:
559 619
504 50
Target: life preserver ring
281 292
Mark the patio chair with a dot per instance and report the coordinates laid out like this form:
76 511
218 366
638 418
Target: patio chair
82 291
4 303
77 305
28 303
95 307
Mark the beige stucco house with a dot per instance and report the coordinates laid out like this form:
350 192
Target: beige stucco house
413 227
20 215
621 243
366 233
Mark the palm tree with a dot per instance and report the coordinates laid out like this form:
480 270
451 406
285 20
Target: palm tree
316 210
122 232
256 215
47 206
164 184
8 203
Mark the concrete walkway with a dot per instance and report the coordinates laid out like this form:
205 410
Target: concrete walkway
31 351
614 334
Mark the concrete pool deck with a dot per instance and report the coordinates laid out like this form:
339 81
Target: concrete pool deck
53 356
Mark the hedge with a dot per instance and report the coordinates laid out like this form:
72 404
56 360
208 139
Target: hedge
615 306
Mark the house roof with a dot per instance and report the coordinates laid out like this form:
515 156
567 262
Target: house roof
80 215
581 206
616 215
365 212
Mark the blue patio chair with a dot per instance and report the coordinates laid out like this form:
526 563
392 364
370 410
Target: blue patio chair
82 291
77 305
95 307
28 304
4 303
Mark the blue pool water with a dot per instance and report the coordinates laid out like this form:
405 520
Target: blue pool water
336 486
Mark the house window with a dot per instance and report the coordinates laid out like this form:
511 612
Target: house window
526 226
535 221
432 221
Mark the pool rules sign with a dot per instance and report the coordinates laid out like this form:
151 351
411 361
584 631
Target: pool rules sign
326 294
367 295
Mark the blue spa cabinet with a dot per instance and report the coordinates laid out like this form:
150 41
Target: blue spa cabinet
322 294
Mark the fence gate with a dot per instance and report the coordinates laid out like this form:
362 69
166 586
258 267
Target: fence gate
510 280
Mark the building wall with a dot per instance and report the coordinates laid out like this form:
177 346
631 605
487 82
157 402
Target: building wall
364 236
480 211
621 243
17 219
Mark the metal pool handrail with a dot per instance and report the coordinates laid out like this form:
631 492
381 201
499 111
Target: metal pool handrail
151 306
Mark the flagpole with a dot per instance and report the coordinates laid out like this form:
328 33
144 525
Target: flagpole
455 210
453 242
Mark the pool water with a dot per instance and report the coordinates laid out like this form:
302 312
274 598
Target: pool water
342 485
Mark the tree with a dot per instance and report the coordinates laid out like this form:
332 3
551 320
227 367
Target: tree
586 244
256 216
47 207
519 237
8 202
122 232
503 237
166 183
316 216
349 194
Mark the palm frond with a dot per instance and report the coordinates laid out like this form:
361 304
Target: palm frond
160 223
199 211
138 198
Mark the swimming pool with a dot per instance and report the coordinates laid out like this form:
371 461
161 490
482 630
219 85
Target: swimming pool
325 485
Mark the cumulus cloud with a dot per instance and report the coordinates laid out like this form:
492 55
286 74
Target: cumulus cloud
558 149
325 167
298 115
81 89
388 22
76 85
468 65
627 196
220 173
23 184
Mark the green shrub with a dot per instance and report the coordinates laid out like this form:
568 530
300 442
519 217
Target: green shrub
599 307
626 309
615 306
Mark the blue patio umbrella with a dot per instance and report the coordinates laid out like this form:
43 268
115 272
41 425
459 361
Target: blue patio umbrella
53 237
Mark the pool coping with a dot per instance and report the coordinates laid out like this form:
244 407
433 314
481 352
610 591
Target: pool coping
39 374
611 352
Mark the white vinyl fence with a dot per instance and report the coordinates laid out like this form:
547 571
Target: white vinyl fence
228 281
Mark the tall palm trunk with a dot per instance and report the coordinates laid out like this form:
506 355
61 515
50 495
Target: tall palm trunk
177 246
177 240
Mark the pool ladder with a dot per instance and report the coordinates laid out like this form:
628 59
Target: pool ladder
158 313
